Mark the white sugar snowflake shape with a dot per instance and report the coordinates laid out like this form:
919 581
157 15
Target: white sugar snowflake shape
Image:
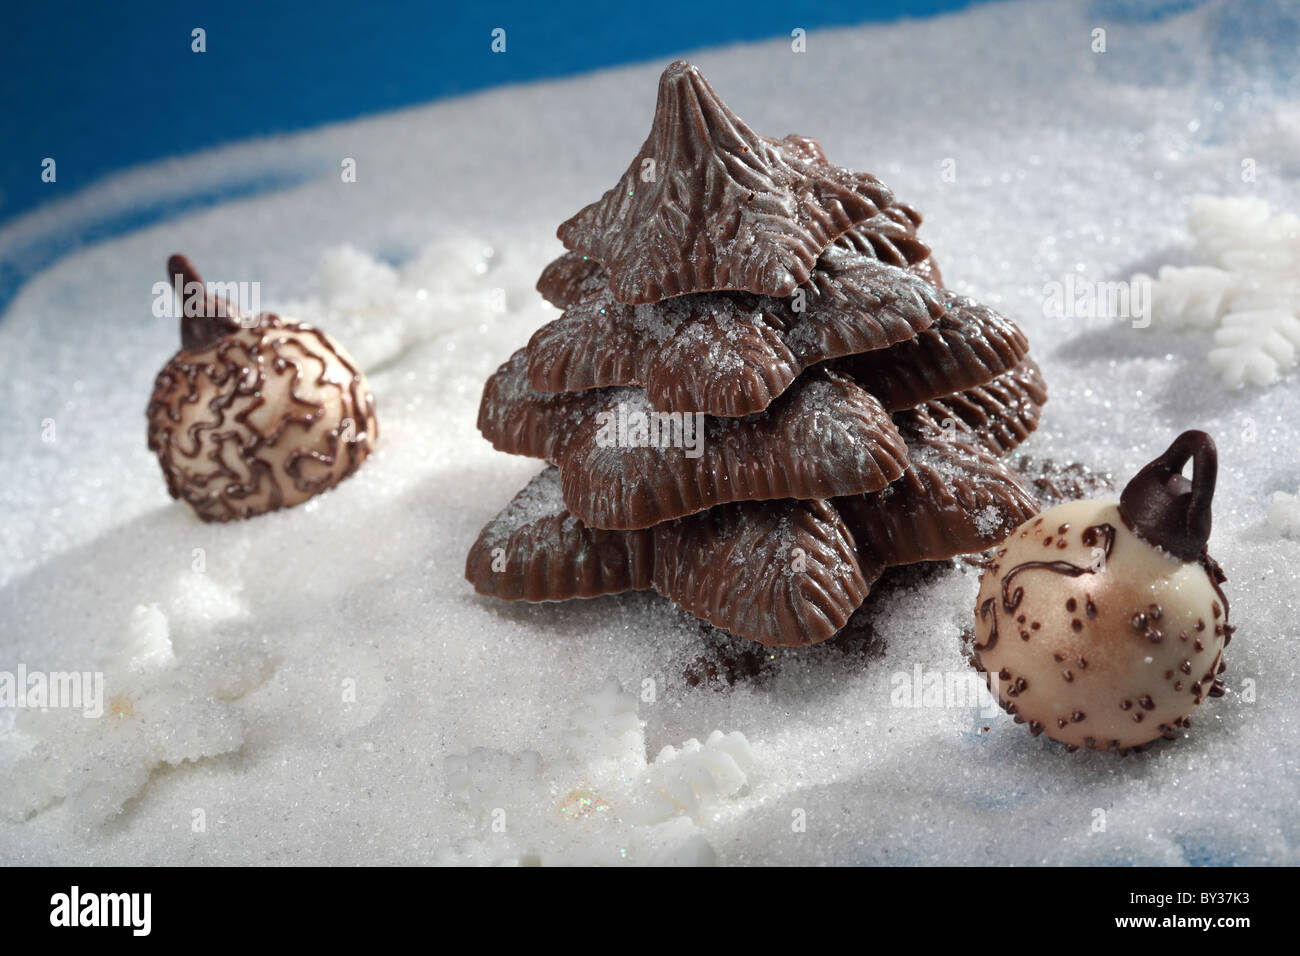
600 801
1246 288
157 709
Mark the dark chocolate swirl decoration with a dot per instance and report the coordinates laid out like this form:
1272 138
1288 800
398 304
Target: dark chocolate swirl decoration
254 413
1103 533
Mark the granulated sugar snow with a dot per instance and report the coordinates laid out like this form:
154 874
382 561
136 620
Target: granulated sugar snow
321 684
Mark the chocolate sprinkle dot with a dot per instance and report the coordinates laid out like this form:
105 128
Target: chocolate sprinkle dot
1071 604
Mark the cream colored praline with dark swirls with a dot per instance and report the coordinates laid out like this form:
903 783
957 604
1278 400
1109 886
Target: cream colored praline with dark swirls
253 415
1102 624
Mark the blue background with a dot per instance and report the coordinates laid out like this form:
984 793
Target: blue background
100 86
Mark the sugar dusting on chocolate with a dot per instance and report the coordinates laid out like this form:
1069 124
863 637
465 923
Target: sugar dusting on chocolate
721 207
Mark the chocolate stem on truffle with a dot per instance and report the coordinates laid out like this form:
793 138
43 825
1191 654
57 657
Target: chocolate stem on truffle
1166 509
218 318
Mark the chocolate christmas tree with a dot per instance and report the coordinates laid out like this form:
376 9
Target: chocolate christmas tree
759 395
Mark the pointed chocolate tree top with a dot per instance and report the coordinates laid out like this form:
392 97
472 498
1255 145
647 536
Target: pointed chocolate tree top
708 204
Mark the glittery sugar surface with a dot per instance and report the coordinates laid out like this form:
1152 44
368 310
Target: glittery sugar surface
372 663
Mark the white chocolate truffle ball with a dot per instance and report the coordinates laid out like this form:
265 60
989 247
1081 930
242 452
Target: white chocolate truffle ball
259 419
1093 636
1103 623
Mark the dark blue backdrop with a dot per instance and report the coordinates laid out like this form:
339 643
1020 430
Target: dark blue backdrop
100 85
